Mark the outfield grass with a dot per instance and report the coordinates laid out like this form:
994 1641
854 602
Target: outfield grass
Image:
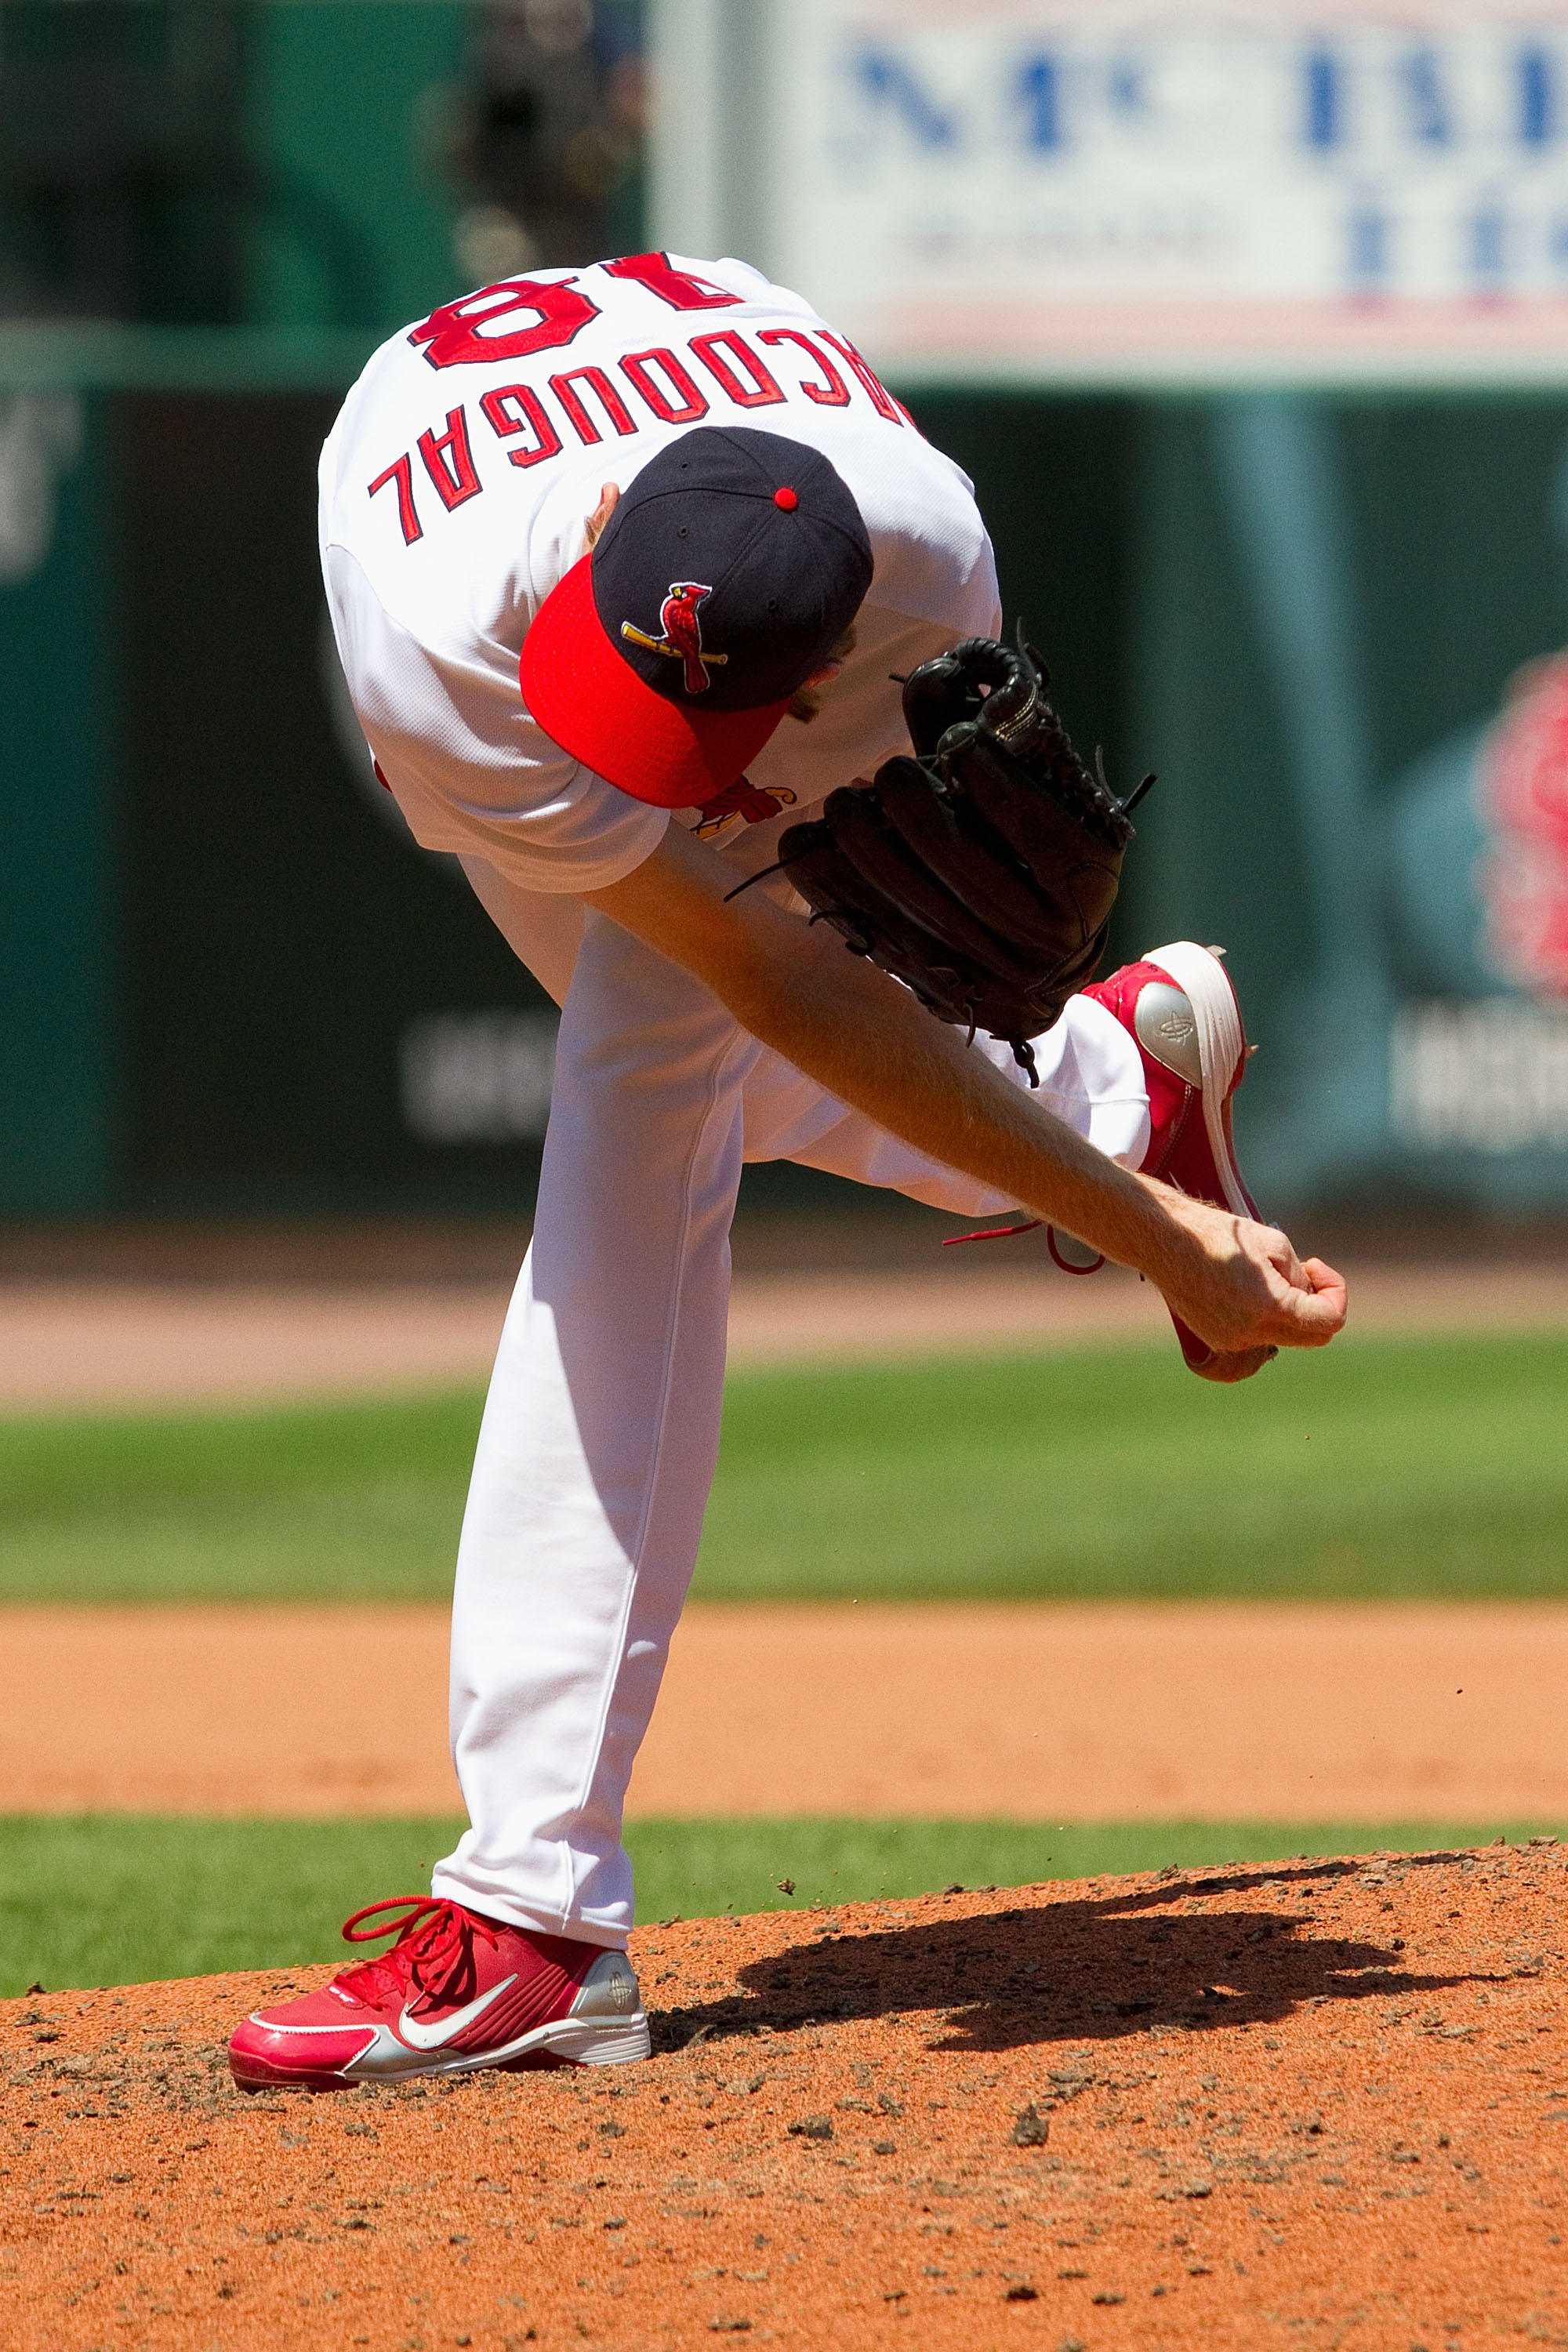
126 1899
1377 1468
329 1502
1380 1468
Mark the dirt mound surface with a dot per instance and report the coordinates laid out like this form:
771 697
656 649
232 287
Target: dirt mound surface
1323 2104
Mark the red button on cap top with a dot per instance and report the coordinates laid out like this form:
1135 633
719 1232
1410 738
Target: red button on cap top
785 498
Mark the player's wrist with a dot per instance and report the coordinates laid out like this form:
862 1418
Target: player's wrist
1197 1257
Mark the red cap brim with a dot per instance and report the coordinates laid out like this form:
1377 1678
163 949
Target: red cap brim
595 707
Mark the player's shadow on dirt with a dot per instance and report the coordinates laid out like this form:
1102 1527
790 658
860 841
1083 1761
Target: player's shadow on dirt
1086 1970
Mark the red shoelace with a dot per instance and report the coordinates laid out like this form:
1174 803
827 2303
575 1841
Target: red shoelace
433 1951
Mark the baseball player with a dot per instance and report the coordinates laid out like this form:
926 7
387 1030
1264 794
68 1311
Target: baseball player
623 562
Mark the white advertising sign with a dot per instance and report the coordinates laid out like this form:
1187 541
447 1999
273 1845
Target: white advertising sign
1250 191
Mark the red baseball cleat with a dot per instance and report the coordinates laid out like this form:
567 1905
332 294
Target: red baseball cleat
455 1993
1179 1007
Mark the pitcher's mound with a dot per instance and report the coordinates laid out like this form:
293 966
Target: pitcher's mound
1318 2103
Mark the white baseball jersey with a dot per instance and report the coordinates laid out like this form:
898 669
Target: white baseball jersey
454 491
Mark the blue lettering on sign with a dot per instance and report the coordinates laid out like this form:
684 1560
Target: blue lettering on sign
1537 98
1040 88
1349 97
1431 119
1124 85
1323 123
1369 249
890 81
1488 253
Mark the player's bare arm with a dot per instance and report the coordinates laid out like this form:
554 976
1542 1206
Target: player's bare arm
1238 1285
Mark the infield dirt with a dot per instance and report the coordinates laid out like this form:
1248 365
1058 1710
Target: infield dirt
1043 1712
1323 2102
108 1346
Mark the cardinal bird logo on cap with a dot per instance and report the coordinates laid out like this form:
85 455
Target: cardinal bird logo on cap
682 638
743 798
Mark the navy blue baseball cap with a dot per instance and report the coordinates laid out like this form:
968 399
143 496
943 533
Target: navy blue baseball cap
731 568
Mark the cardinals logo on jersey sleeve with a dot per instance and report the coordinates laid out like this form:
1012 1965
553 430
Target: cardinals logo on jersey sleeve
682 637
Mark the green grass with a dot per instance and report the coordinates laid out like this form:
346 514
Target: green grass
1379 1469
329 1502
1382 1468
124 1899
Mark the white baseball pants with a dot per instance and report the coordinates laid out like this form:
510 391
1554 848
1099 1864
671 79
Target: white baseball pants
601 1428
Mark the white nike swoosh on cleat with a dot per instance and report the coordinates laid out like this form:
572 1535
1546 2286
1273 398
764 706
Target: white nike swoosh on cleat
436 2035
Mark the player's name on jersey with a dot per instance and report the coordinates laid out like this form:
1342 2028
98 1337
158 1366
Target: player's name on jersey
719 371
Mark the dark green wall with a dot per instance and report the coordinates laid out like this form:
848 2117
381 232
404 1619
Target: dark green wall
279 164
1457 576
60 922
344 108
280 932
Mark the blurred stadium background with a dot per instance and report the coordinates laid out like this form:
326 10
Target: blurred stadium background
1251 326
